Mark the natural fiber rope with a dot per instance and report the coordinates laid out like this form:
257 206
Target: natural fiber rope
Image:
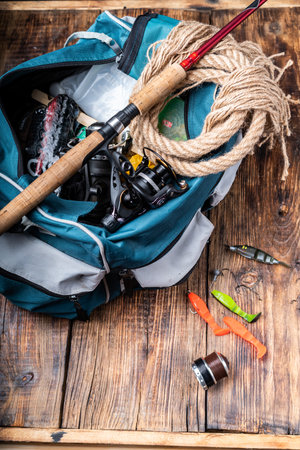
249 98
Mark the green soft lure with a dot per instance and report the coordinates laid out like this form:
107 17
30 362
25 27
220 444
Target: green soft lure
232 306
256 254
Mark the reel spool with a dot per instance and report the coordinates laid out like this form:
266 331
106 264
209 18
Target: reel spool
157 185
211 369
133 192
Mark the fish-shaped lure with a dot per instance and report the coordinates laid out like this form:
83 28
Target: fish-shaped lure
227 301
239 329
256 254
201 308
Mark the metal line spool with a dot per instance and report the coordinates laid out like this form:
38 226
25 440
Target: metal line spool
211 369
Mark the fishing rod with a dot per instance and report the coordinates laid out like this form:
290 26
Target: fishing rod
159 87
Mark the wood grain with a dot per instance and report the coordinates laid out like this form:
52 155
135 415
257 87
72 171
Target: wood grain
117 4
129 367
142 377
145 440
25 35
9 446
80 409
32 367
140 351
29 34
171 398
262 396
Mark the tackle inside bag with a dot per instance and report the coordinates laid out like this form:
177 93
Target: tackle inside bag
101 232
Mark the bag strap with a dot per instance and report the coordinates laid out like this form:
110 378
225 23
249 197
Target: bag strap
93 35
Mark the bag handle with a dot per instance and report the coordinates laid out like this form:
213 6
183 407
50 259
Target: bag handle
93 35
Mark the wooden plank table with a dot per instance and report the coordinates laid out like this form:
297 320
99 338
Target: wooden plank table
34 5
124 377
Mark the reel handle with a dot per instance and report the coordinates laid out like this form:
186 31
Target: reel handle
52 178
159 87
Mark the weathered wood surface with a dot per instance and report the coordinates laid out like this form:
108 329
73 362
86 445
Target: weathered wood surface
26 35
117 4
140 350
32 367
151 440
146 396
262 396
129 367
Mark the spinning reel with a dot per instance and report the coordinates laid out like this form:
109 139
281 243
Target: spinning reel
121 192
133 192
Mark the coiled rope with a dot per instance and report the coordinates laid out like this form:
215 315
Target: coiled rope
249 98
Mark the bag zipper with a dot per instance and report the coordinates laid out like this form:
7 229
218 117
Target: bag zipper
61 64
128 280
118 21
15 277
74 298
66 221
81 313
16 140
130 283
133 42
127 273
43 67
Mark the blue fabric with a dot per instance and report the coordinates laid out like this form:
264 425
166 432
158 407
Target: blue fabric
82 51
8 149
34 300
136 243
158 28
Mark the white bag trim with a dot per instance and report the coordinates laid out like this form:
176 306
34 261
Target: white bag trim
68 222
172 267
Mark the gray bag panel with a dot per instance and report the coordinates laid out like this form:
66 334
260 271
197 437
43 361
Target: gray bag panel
180 259
224 185
25 256
28 222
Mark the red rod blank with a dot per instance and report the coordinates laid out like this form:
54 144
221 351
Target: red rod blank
214 40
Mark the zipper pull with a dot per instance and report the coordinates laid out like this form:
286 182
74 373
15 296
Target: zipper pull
119 57
129 282
126 273
81 313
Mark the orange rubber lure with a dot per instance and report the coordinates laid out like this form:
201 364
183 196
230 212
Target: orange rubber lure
201 309
239 329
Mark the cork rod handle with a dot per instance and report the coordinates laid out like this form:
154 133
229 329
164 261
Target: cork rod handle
158 88
46 183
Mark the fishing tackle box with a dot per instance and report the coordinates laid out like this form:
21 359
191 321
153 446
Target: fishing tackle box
51 263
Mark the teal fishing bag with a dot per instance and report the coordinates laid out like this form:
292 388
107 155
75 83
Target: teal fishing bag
52 263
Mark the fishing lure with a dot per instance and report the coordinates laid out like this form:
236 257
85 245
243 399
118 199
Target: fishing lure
227 301
256 254
240 330
201 308
51 133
